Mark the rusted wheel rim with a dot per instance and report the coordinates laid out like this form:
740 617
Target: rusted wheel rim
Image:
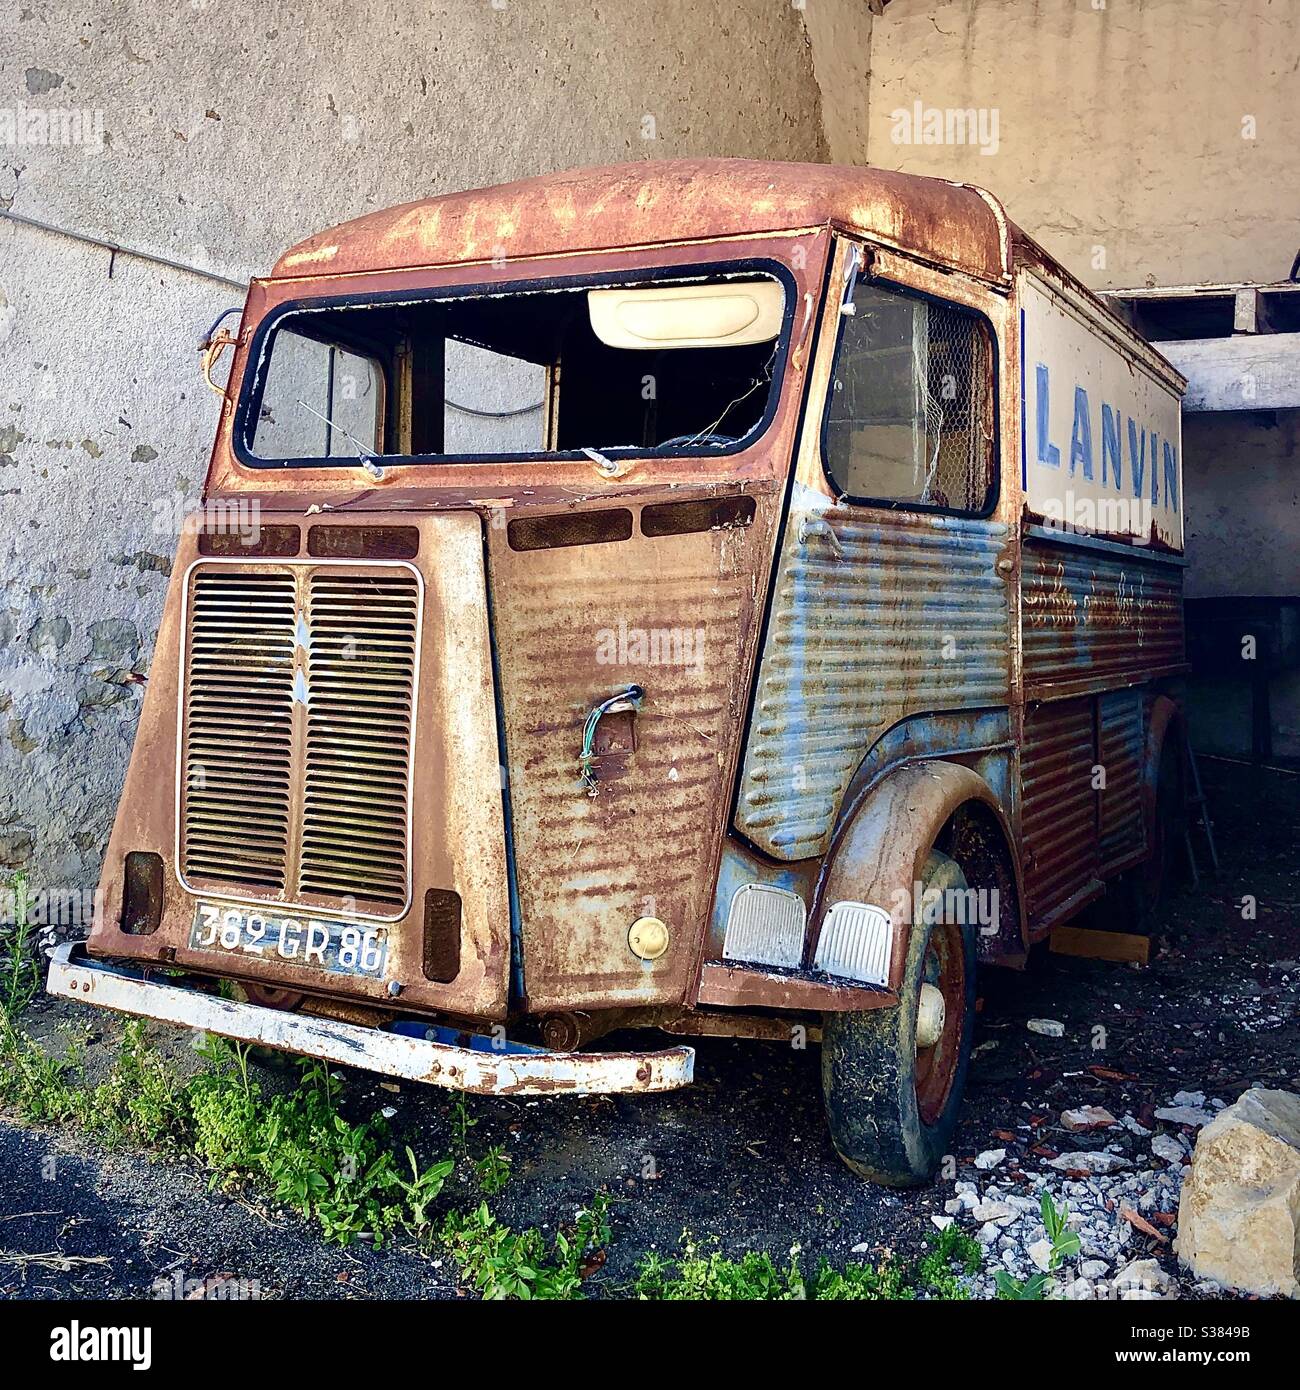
936 1067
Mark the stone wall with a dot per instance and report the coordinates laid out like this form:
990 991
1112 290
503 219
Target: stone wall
214 134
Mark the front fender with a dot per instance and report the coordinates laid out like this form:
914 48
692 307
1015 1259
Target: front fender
878 855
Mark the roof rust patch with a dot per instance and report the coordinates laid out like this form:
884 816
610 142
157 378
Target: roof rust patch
653 202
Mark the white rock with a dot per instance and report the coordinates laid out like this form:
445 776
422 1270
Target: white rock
1089 1160
954 1205
1047 1027
1094 1269
1041 1254
1134 1127
1239 1213
1189 1098
990 1158
1087 1117
942 1222
987 1235
1167 1147
1141 1279
990 1210
860 1248
1185 1115
1079 1291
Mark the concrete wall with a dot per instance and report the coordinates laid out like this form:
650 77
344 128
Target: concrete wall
1240 475
218 134
1134 138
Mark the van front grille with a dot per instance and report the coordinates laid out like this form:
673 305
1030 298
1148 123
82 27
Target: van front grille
298 718
361 687
238 787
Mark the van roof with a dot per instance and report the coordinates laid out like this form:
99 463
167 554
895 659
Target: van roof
652 202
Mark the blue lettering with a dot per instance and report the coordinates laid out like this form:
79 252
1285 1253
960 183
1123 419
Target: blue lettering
1137 458
1110 444
1048 453
1155 472
1081 435
1171 476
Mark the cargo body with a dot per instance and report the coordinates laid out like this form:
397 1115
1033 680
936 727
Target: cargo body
662 597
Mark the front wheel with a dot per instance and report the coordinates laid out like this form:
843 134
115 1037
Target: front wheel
892 1079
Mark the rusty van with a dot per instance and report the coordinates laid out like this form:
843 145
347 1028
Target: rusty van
712 598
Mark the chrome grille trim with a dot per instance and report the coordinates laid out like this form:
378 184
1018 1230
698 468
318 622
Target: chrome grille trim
321 808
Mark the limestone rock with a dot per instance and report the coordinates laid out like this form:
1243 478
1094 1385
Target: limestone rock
1089 1161
1087 1117
1239 1214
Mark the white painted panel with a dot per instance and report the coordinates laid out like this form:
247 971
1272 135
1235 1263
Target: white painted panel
1101 446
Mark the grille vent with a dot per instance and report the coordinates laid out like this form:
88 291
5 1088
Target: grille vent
299 705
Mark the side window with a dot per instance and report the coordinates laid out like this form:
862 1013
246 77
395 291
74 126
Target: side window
910 417
320 401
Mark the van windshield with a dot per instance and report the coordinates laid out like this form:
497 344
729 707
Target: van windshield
654 366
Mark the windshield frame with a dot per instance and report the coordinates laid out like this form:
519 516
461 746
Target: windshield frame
253 384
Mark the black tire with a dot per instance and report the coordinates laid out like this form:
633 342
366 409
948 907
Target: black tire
891 1110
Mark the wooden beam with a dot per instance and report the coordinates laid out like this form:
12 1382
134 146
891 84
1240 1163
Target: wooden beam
1253 371
1100 945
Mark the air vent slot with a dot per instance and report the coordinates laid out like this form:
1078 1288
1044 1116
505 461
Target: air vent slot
257 540
142 893
364 542
709 514
569 528
441 935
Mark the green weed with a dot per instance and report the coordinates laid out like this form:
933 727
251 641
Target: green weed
1065 1245
20 980
501 1263
493 1170
755 1277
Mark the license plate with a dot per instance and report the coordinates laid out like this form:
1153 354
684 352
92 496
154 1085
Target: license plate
338 948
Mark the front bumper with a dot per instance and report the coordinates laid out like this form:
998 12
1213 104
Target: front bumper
412 1050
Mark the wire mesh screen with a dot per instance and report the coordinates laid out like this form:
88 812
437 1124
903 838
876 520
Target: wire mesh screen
910 417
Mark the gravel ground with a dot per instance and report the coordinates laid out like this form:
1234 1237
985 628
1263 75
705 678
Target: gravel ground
743 1156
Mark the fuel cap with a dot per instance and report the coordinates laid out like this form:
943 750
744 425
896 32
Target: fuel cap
648 938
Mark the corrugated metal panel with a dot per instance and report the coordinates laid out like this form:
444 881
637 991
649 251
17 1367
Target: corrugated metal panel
1123 741
1059 806
1092 617
871 621
567 626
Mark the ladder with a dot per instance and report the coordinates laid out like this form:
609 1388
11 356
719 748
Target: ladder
1198 815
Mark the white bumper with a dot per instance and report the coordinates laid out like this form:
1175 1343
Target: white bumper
486 1065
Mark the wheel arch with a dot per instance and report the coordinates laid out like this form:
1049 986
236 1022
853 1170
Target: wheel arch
878 854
